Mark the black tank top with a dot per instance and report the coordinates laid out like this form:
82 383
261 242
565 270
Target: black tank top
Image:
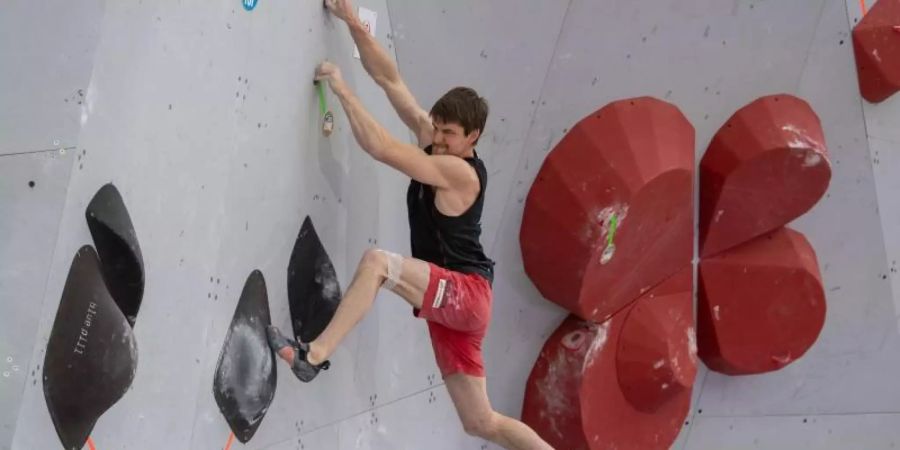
450 242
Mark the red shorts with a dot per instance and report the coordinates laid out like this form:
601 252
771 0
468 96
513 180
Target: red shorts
457 307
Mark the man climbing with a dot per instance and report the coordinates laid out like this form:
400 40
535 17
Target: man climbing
448 279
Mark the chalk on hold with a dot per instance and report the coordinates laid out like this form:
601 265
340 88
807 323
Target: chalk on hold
767 166
312 285
876 47
91 355
625 383
606 173
245 377
328 124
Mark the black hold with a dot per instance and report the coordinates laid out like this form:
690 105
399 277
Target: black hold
91 355
114 236
313 289
31 184
245 379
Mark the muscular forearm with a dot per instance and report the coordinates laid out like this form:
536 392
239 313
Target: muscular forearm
371 136
380 66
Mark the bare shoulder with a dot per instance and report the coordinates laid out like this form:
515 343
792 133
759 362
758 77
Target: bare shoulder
459 173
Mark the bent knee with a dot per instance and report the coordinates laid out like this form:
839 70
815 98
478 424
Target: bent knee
373 258
482 425
385 264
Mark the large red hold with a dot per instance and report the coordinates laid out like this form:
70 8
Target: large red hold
761 305
876 44
765 167
610 213
623 384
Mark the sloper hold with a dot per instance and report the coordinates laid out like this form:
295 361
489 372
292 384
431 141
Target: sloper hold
632 163
657 357
245 379
575 397
876 44
761 305
91 355
765 167
116 242
313 289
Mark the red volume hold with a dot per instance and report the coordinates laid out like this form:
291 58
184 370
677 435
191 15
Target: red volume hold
876 44
610 214
765 167
761 305
623 384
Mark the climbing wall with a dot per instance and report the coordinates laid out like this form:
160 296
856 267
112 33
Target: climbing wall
710 59
205 119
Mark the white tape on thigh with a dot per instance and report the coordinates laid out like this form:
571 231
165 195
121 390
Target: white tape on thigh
394 269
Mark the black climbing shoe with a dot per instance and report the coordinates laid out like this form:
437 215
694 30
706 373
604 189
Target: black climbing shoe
302 368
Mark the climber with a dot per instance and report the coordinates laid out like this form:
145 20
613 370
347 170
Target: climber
447 281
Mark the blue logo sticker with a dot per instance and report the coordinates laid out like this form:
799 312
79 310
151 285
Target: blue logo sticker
250 4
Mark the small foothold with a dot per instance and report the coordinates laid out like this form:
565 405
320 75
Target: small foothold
31 184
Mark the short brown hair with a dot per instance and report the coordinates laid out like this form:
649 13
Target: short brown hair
463 106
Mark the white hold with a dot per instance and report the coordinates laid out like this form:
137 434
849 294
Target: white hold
875 54
659 363
719 215
87 104
716 312
665 386
607 254
802 141
574 340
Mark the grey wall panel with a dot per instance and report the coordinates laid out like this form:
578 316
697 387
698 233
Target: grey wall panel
170 164
47 49
32 195
828 432
886 163
310 439
425 419
882 119
860 332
